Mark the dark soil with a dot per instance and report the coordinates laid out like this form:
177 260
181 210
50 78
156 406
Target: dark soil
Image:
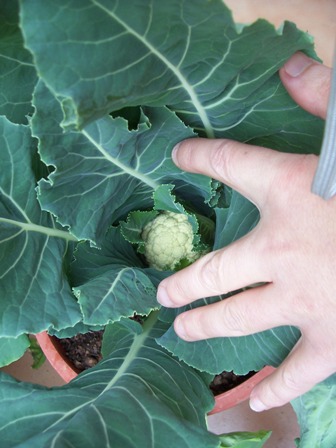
84 351
227 380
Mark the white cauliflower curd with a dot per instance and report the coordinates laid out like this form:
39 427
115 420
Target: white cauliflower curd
169 241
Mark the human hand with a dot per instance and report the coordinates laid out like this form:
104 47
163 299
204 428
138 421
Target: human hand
292 250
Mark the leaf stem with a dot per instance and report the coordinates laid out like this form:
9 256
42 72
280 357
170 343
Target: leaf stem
30 227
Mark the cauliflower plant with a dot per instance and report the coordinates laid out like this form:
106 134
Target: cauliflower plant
169 241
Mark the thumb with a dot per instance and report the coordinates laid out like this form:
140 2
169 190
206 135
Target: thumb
305 367
308 83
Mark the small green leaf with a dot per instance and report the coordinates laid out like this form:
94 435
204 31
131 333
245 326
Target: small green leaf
132 228
36 352
245 439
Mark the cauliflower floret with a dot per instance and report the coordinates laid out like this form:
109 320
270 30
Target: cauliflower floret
169 240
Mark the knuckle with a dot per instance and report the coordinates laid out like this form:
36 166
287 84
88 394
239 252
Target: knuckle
290 380
232 316
223 160
272 394
210 273
292 175
279 391
234 319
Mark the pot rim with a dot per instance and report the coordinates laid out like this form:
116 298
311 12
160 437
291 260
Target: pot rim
240 393
53 351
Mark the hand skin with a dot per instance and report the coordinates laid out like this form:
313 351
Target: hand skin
292 249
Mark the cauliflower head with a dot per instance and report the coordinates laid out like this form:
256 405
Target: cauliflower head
169 240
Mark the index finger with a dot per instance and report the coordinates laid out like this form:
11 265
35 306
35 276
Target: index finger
248 169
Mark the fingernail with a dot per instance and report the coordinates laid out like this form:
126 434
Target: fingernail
163 297
256 405
179 328
297 64
174 152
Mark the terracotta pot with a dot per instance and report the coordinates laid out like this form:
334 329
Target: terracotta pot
53 352
237 395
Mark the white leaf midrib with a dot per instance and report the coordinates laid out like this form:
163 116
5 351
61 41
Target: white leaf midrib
27 225
124 168
134 348
31 227
184 83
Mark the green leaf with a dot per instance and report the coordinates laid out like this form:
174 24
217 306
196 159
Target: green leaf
232 87
11 349
147 58
132 228
18 75
235 220
34 290
106 170
316 412
240 354
138 396
111 282
165 200
111 337
245 439
207 229
36 352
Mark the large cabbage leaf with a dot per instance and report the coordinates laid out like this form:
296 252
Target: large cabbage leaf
112 282
240 354
316 413
106 170
189 56
34 289
138 396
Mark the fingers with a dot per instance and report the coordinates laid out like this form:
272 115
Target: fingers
216 273
308 82
236 316
246 168
302 369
